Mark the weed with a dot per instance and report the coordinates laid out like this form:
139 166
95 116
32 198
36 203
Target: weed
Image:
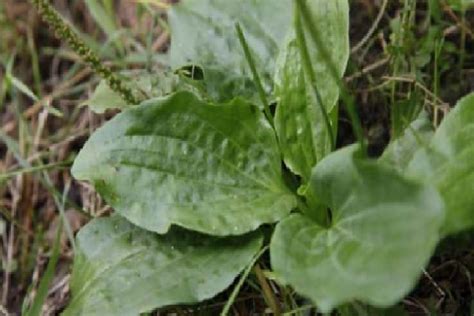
239 162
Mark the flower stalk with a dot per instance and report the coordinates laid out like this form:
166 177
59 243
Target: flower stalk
65 32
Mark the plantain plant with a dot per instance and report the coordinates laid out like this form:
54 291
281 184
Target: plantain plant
202 171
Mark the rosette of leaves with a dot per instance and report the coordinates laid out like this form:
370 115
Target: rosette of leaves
192 180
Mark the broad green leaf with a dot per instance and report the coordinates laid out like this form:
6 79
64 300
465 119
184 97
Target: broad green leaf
384 229
105 98
298 120
177 160
400 151
449 163
120 269
146 85
203 33
332 20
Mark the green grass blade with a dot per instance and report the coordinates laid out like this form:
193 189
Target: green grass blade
43 287
255 75
17 83
238 286
58 165
101 17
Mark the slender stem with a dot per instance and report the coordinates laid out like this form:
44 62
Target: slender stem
253 69
267 291
462 53
297 311
347 98
312 76
373 28
243 277
47 278
64 31
399 43
436 81
11 174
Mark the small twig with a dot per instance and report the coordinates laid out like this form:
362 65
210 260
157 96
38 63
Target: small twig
372 29
369 68
455 18
267 291
418 84
160 41
437 287
60 284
